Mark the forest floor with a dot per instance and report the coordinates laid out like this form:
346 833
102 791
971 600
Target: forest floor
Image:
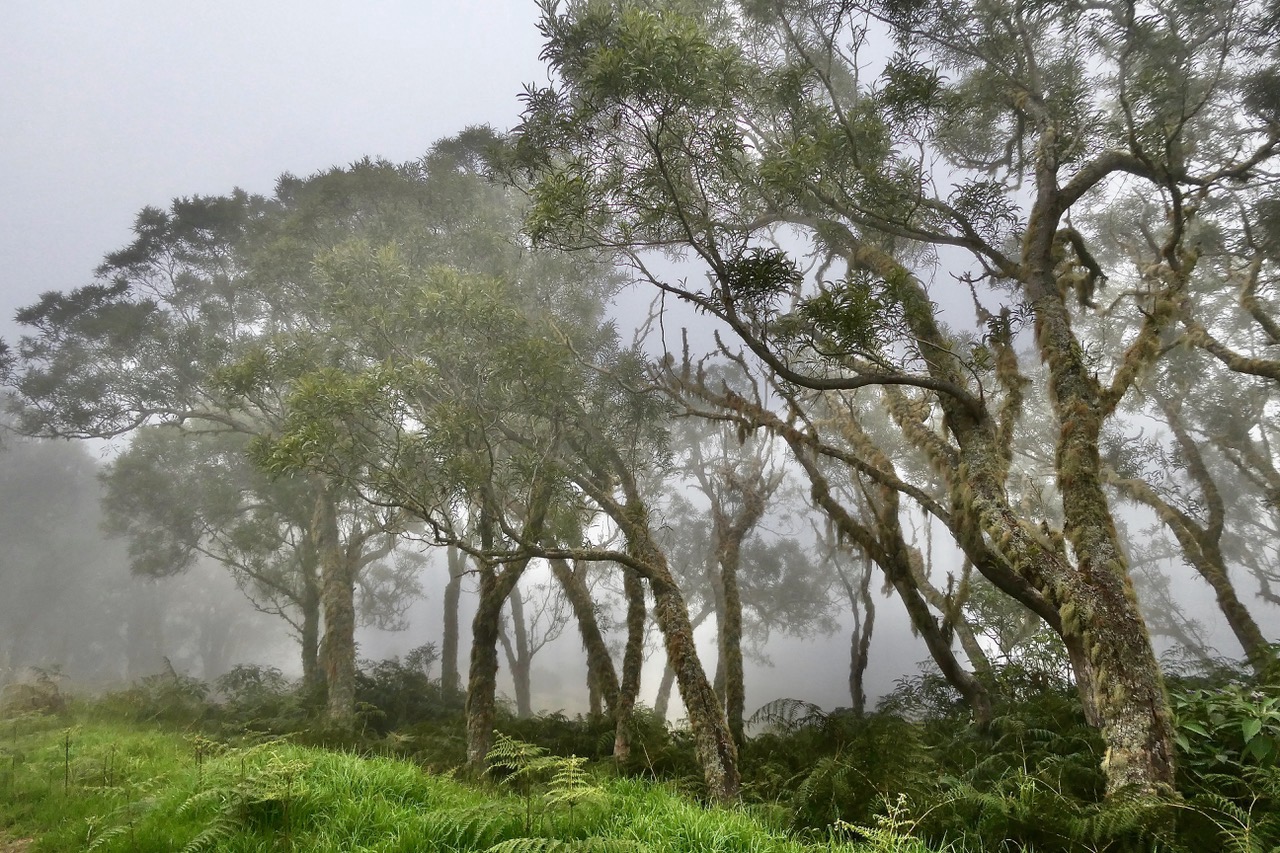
82 782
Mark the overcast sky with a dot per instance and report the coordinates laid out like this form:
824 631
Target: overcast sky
106 107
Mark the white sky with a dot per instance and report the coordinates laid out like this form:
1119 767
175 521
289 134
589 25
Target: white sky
106 107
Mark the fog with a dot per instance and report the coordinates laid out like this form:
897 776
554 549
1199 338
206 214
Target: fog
112 107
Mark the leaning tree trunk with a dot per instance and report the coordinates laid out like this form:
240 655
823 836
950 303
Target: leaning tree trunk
662 701
632 662
887 547
450 680
602 677
713 743
337 655
1201 543
1097 601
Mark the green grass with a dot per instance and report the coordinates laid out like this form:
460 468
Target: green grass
133 787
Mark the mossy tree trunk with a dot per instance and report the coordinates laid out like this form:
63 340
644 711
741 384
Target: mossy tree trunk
632 662
662 702
1200 540
519 660
482 686
495 587
450 680
602 677
337 655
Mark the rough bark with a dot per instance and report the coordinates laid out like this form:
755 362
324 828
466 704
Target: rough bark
482 685
602 677
713 743
518 658
337 655
309 637
632 662
450 679
662 702
495 587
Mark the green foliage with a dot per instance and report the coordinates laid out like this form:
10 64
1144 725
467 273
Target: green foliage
260 699
168 697
565 779
1226 729
144 791
836 766
403 692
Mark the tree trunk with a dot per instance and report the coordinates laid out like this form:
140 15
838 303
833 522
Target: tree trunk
521 661
309 635
730 634
1213 569
662 702
632 662
337 654
975 693
901 565
717 608
450 680
864 621
1097 601
602 677
713 743
483 682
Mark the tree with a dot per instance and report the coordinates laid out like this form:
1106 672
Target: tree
479 389
535 622
982 149
173 333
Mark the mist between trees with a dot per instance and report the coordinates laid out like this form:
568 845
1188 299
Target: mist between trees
985 309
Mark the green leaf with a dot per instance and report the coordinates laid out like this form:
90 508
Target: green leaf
1196 728
1250 729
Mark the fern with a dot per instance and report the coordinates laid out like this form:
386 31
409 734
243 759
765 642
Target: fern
108 835
568 783
530 845
595 844
468 828
571 785
787 716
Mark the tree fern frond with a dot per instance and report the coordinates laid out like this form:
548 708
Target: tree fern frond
107 836
212 836
469 828
788 715
530 845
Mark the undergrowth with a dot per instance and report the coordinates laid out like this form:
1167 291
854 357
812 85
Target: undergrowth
135 787
163 766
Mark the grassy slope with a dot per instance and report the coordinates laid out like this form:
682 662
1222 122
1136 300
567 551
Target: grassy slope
139 788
